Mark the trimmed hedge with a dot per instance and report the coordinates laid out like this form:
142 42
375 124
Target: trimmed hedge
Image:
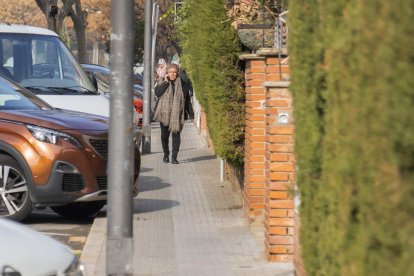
210 56
352 77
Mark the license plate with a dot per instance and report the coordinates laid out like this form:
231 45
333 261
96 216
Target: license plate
107 168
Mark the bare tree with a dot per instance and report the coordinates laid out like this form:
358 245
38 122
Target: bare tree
80 24
53 14
167 45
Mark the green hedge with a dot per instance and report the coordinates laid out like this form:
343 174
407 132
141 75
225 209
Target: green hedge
210 55
352 66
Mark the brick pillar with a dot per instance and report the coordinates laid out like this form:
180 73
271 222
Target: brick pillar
254 145
272 69
280 167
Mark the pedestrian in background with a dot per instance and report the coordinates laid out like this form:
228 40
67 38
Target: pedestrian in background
186 79
174 107
160 74
162 69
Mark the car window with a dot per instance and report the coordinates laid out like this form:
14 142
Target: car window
6 54
44 58
14 97
38 61
102 76
102 86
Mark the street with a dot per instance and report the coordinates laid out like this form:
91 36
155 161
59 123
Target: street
70 232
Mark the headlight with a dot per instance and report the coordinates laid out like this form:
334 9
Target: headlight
51 136
75 269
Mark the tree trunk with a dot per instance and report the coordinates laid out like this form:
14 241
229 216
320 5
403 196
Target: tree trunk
79 22
49 20
81 37
45 7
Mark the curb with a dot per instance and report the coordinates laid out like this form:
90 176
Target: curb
94 245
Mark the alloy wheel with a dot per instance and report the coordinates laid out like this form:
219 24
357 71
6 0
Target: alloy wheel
13 191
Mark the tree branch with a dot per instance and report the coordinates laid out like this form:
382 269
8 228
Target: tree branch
138 6
65 9
42 4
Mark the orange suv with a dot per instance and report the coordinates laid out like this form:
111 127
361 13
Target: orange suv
51 158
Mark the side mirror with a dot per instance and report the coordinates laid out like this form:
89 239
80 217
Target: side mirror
9 271
94 81
12 274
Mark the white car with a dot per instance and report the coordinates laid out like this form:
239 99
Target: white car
38 60
27 252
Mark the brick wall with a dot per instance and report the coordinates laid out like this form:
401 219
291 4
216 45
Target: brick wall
255 138
258 70
269 153
203 130
280 167
203 122
299 268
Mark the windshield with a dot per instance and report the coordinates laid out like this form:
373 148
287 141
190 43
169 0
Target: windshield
103 75
42 64
13 97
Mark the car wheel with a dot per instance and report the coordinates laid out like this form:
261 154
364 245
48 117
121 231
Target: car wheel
79 209
15 201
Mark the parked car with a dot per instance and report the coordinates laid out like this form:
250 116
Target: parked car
139 88
51 158
102 76
38 60
27 252
138 79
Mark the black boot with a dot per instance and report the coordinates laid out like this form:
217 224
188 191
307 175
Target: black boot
166 158
174 160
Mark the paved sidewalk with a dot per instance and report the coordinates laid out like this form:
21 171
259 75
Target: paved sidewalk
185 221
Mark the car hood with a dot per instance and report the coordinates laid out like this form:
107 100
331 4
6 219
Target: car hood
30 252
58 119
92 104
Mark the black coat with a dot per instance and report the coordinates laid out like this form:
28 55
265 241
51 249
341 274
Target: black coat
188 83
188 108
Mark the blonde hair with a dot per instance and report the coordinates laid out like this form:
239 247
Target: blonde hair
172 66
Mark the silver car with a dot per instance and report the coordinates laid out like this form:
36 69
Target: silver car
27 252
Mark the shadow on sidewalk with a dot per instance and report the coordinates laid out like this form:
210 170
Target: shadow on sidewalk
145 205
144 170
200 158
181 150
151 183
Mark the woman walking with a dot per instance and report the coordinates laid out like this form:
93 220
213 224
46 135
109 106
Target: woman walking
174 107
162 68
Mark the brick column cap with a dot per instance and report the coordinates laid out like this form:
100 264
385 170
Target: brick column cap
250 57
272 52
276 84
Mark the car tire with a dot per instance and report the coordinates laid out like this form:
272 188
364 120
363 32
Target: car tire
79 209
15 206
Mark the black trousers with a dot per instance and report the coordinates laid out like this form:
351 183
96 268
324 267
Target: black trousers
165 137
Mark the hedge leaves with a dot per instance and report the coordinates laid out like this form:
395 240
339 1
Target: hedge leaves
352 76
210 55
